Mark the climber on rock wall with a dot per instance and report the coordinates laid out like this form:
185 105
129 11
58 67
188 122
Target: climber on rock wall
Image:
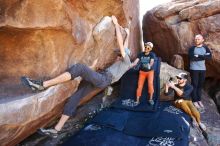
90 78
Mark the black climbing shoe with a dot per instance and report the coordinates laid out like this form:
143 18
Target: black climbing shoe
33 84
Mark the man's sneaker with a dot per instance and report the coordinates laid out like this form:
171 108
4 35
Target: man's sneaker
33 84
196 105
202 126
194 122
151 102
201 104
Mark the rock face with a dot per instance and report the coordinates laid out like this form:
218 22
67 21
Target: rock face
41 39
172 27
74 124
211 118
177 62
212 87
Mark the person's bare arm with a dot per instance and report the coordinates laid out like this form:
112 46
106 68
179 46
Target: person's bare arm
151 62
142 46
166 88
127 30
178 91
119 36
127 38
134 63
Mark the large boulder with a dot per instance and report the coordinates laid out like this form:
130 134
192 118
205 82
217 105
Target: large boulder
172 27
41 39
177 62
212 86
211 118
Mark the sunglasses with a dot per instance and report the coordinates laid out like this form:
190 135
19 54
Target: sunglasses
147 47
179 78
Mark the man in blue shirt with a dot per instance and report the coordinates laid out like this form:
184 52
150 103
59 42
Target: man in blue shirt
182 100
198 54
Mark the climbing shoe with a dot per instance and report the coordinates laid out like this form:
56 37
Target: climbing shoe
202 126
48 132
151 102
194 123
33 84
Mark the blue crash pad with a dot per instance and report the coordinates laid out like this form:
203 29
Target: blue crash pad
143 125
172 130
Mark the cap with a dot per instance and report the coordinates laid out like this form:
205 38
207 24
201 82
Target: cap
182 75
149 44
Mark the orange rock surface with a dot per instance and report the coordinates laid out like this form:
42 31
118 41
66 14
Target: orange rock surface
41 39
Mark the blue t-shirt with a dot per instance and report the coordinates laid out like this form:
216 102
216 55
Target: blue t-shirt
145 61
198 65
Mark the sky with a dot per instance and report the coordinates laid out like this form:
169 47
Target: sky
146 5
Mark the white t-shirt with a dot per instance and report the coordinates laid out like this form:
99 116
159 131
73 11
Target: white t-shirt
119 68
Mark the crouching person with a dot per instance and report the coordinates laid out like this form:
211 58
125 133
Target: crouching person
182 100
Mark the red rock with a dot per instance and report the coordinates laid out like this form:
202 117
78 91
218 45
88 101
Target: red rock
172 27
177 62
41 39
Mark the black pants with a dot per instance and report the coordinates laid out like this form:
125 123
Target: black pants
198 79
91 80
